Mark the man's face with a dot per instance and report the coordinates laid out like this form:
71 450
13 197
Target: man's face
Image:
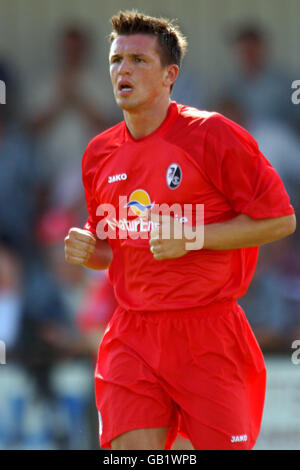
137 76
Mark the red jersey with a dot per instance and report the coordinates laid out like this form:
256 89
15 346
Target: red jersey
194 157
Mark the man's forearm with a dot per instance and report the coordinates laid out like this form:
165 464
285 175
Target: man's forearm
243 232
101 257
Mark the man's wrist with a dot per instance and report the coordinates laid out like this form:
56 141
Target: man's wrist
193 237
101 256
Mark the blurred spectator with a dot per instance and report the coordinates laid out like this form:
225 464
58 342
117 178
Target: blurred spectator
8 76
190 92
44 313
262 90
65 110
35 320
28 302
43 345
17 174
11 296
277 141
272 303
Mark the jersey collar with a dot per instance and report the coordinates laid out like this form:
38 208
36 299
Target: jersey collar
162 129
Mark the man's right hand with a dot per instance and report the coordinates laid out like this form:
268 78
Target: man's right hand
79 246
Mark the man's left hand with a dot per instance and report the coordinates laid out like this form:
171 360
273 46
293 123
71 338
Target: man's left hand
168 240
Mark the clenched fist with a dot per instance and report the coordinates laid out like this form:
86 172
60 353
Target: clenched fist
82 247
79 246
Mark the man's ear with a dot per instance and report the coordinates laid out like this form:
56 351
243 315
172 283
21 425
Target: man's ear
171 75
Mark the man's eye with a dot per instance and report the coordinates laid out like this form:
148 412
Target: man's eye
115 60
137 59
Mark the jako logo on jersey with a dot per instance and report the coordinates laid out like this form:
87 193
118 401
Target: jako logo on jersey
140 202
242 438
174 176
115 178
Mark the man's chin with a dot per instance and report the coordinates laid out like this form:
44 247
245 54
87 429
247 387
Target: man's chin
126 104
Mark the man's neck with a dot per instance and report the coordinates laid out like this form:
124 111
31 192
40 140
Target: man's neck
143 122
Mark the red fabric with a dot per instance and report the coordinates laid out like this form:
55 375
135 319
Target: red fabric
222 168
199 371
98 304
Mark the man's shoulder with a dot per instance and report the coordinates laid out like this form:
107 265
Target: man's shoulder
112 136
104 144
202 116
196 121
195 118
190 113
209 129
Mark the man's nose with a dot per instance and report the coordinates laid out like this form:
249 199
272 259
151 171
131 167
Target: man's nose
124 67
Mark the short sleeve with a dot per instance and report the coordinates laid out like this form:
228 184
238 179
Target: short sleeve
237 168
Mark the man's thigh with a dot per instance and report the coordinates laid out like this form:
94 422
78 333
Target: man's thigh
141 439
182 443
134 412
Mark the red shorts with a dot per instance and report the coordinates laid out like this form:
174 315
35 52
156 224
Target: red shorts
198 371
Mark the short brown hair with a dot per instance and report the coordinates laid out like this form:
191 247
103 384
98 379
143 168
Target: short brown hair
172 43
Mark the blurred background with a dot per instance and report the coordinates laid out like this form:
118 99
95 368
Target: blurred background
241 61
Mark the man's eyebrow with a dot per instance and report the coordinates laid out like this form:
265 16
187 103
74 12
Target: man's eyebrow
136 54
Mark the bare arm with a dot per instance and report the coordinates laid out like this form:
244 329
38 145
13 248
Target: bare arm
243 232
240 232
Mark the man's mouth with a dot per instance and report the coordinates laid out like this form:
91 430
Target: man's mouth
125 89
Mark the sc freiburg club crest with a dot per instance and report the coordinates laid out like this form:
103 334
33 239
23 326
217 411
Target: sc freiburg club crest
174 176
